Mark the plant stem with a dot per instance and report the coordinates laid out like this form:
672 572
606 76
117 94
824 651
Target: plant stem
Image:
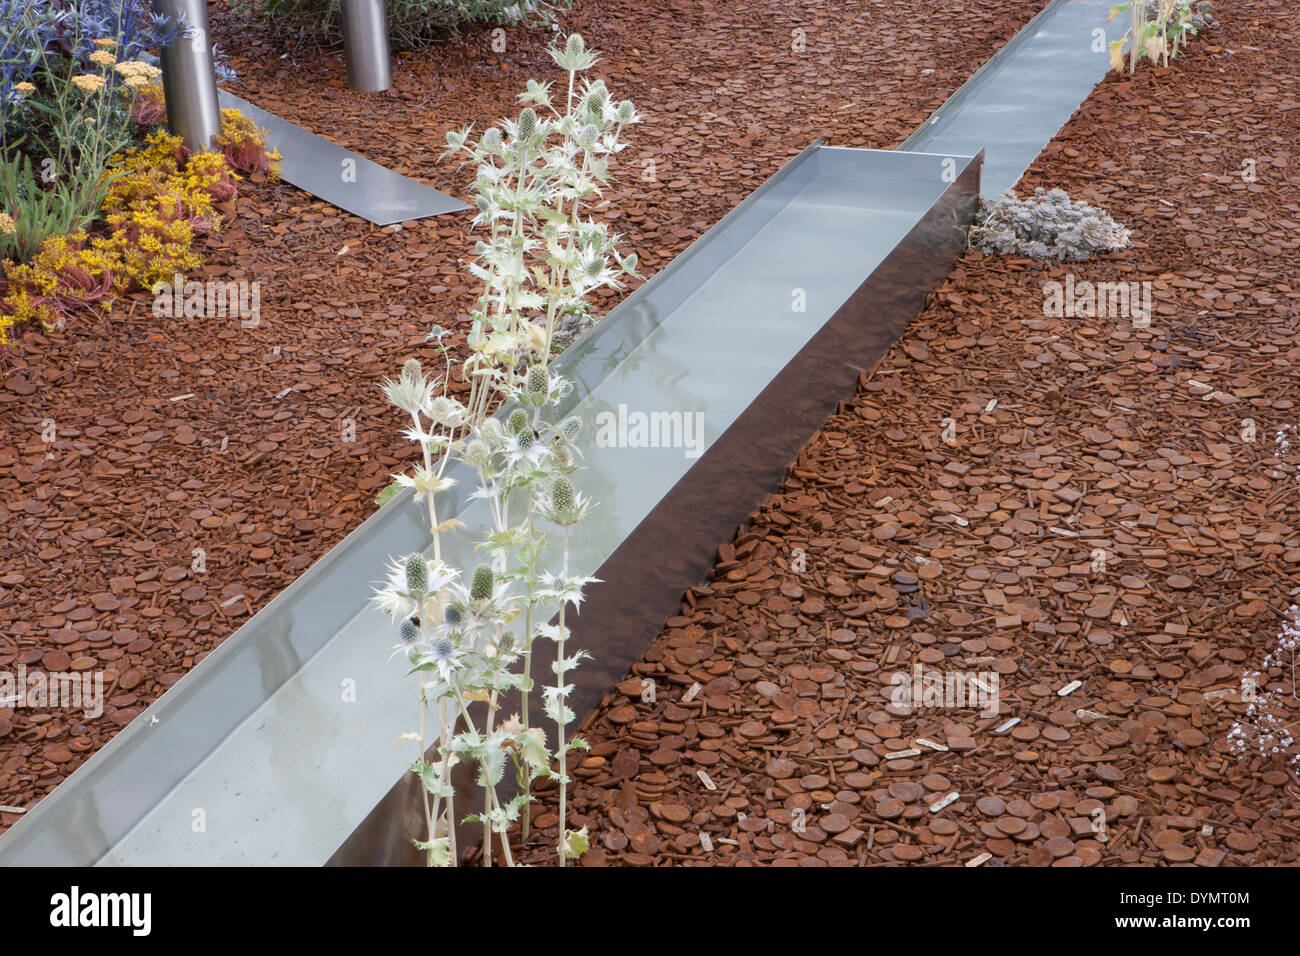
561 743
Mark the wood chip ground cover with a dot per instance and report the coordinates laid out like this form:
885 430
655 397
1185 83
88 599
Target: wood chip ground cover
178 444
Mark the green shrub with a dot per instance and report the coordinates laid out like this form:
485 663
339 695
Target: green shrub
412 24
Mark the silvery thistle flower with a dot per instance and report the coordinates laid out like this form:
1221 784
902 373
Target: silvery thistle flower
524 450
397 601
425 481
411 395
562 504
445 657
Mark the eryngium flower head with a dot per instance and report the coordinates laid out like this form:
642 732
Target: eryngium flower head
412 371
538 381
527 123
453 615
570 427
417 575
517 422
562 495
575 46
481 588
410 629
626 112
477 453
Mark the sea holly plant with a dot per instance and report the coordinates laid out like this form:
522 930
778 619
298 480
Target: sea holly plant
1157 30
468 634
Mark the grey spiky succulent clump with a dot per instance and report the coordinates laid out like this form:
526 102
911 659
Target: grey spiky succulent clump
481 588
1048 226
417 575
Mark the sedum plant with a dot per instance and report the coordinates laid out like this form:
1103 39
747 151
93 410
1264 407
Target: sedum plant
1048 226
469 633
1157 30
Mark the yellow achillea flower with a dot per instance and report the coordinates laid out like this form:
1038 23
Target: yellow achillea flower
104 43
135 82
102 58
7 224
88 82
137 68
25 87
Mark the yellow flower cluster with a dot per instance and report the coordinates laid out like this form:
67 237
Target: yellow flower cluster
7 225
63 270
135 68
244 144
155 204
104 43
88 82
102 58
25 88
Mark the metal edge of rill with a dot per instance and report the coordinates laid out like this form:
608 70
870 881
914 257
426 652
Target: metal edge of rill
642 590
979 77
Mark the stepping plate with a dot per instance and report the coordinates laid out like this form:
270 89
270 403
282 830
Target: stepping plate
342 177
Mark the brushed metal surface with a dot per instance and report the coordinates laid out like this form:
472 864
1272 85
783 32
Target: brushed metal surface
342 177
365 45
189 79
1014 104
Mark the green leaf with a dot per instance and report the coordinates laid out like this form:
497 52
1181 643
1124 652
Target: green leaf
388 494
576 843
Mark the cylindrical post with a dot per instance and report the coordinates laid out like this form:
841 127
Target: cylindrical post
189 81
365 45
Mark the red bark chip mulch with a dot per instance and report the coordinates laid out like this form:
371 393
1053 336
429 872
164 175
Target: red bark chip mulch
181 444
974 549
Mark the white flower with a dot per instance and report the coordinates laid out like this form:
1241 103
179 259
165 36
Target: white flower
425 481
444 656
408 394
394 599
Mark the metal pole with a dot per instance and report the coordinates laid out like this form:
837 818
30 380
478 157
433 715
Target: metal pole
365 45
189 81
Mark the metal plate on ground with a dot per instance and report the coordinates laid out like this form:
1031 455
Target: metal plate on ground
342 177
